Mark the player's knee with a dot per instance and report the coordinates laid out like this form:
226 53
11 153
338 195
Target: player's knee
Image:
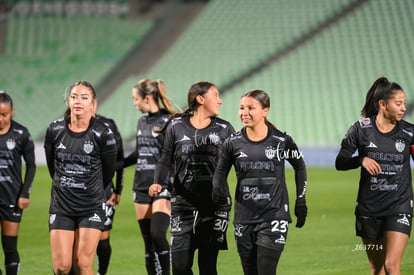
62 268
392 266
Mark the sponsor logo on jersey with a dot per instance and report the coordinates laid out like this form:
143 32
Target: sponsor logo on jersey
110 142
242 155
372 145
404 220
139 133
366 122
61 146
11 144
286 207
400 145
176 224
185 138
95 218
88 147
270 152
238 230
281 240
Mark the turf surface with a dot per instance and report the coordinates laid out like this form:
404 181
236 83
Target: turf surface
325 245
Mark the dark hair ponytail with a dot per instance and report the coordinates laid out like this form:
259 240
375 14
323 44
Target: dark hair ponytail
381 89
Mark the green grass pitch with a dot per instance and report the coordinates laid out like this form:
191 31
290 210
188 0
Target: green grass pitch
325 245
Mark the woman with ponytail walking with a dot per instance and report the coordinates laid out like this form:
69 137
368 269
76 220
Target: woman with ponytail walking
383 142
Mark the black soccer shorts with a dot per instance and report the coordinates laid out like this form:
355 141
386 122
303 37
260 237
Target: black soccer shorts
373 228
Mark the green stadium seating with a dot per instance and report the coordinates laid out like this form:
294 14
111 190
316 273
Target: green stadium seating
45 54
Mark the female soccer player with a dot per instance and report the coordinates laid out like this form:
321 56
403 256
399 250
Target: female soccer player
191 145
81 156
15 143
383 141
153 213
258 153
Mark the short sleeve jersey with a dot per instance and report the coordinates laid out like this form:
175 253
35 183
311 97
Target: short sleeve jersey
148 148
14 145
78 186
390 192
261 192
194 154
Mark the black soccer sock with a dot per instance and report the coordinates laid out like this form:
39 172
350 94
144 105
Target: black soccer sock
267 260
144 225
159 226
11 256
103 252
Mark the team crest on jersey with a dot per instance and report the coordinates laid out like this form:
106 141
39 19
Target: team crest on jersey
400 145
11 144
366 122
214 138
270 152
88 147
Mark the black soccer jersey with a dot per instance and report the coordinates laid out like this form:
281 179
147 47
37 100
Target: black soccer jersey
390 192
14 145
81 165
193 153
148 149
119 157
261 191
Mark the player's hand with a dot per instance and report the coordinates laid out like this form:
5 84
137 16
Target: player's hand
372 167
301 211
154 189
23 203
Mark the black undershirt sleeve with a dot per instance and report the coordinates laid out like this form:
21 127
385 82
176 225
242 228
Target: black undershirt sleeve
49 153
29 158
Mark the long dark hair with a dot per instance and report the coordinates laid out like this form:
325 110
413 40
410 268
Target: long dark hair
156 89
66 115
381 89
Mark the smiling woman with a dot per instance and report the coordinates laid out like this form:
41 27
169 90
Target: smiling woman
258 153
383 142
